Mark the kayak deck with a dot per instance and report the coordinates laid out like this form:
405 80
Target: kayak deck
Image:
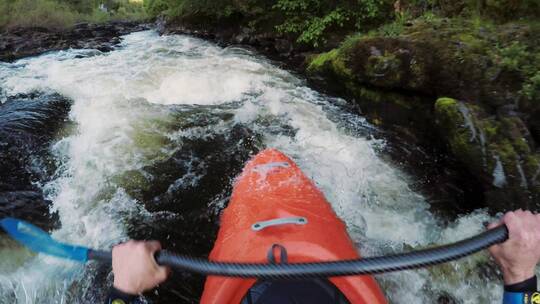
273 202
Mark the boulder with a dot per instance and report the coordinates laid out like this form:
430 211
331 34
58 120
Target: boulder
28 123
498 150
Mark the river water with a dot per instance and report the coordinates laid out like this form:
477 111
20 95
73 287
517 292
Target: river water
161 126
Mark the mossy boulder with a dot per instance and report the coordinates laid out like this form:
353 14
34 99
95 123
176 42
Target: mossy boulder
492 65
391 63
497 150
395 111
331 63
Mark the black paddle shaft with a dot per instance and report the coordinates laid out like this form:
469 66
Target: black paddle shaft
364 266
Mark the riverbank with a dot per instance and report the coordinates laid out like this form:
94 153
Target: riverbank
23 42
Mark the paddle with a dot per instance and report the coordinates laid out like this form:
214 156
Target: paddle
40 241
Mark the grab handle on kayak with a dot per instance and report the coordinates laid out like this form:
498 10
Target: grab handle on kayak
296 220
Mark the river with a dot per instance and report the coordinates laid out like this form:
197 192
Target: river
159 129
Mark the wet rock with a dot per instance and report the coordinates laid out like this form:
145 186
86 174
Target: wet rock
284 46
29 206
28 123
498 150
22 42
446 298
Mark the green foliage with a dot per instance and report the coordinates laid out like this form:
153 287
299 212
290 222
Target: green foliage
65 13
508 9
513 57
312 20
31 13
97 16
311 30
156 7
192 9
520 58
531 88
128 10
393 29
202 8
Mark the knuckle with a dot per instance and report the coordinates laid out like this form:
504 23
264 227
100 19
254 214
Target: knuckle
508 216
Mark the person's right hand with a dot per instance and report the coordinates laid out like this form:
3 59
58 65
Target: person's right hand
519 255
134 267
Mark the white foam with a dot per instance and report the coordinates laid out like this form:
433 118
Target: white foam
499 178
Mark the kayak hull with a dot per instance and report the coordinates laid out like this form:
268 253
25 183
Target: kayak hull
272 187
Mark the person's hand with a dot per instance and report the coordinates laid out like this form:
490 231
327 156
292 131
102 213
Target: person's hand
134 267
519 255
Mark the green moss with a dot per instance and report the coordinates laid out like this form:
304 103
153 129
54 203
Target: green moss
511 128
384 69
452 126
490 129
531 165
332 62
351 41
418 75
505 150
366 94
521 146
445 103
318 61
474 43
133 182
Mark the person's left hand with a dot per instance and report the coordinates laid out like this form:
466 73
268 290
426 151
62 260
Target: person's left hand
134 267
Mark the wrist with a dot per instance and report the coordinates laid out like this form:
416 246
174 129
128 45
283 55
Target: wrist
119 297
516 276
126 288
529 285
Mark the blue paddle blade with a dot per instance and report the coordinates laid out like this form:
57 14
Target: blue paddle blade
40 241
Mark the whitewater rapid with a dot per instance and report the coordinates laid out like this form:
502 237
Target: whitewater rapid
126 107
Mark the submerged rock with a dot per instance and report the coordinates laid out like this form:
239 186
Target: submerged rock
28 123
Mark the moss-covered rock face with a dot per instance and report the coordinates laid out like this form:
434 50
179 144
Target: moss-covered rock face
492 69
498 151
395 111
390 63
482 63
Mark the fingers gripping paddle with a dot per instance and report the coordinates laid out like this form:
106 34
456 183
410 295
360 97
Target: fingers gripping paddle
39 241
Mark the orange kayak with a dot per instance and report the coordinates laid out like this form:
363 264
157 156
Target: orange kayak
275 206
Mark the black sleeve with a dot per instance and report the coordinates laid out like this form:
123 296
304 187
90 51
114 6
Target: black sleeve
118 297
529 285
